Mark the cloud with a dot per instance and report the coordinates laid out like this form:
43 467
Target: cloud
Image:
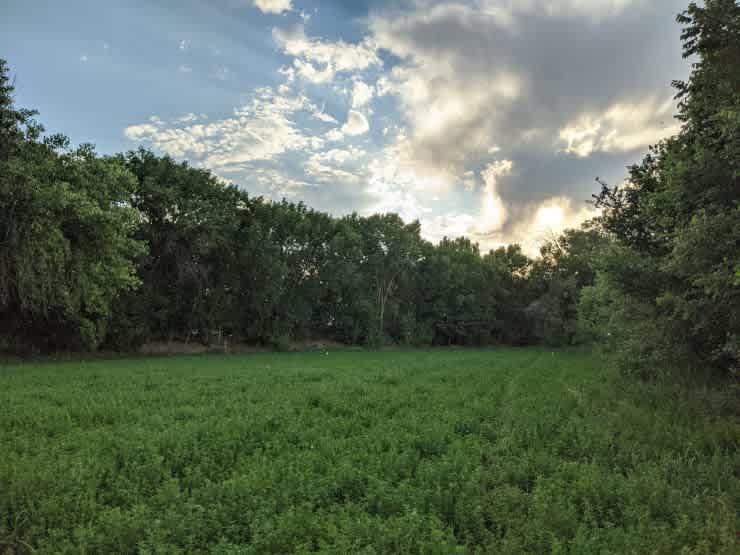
324 166
334 135
357 124
623 127
493 211
84 58
394 183
498 72
277 183
260 130
320 115
185 69
362 93
188 118
274 6
506 12
451 225
541 222
318 61
184 44
531 226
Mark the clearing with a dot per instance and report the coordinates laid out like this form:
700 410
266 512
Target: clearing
511 451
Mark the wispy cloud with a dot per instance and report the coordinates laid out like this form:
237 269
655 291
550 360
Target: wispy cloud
318 61
260 130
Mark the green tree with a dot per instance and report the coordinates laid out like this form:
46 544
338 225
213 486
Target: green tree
67 249
677 221
391 250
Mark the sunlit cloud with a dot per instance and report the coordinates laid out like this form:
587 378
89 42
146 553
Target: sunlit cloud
493 211
623 127
274 6
362 93
259 130
357 124
318 61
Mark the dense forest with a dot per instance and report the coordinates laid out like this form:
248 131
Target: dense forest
112 252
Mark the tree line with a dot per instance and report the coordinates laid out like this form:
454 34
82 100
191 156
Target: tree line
116 251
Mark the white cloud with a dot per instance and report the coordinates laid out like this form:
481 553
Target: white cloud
274 6
449 225
334 135
493 212
260 130
340 156
323 166
396 185
277 183
185 69
184 45
318 61
188 118
320 115
362 93
357 124
84 58
623 127
141 132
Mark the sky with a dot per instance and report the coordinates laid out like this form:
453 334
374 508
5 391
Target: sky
484 118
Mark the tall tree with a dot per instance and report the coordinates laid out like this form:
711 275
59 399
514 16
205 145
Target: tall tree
677 222
66 241
391 250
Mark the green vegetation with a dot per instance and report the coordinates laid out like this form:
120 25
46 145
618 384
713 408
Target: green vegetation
512 451
119 251
667 292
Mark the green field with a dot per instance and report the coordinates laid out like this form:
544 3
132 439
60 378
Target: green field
512 451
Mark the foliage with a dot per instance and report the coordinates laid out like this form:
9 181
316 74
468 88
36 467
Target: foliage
673 288
66 241
519 451
565 267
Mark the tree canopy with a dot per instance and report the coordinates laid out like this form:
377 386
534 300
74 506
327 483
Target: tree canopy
117 251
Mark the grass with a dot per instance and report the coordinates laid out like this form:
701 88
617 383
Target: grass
513 451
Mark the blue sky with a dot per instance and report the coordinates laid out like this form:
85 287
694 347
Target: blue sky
488 118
